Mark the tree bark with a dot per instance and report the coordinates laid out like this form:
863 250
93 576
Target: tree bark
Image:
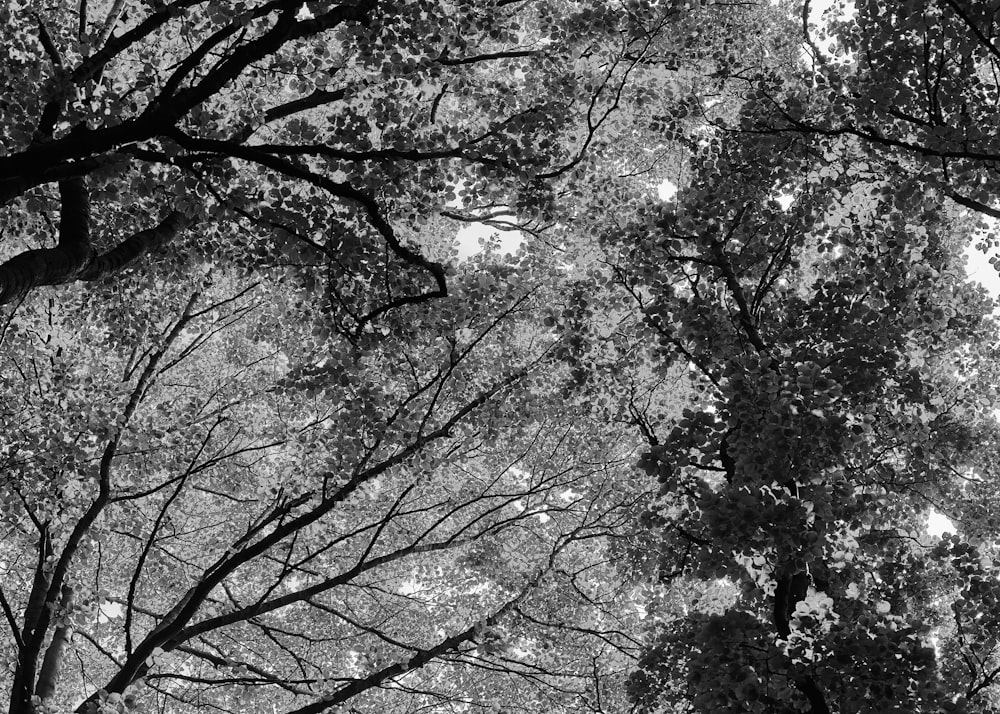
52 663
74 257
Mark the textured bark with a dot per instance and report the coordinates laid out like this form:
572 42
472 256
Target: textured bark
52 266
52 663
24 674
109 23
134 247
74 257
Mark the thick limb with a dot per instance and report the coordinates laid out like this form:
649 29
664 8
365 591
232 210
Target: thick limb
74 257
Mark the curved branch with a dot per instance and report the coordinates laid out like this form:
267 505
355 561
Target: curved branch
341 190
53 266
135 246
74 258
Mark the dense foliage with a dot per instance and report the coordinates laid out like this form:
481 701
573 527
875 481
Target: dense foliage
273 445
270 442
850 375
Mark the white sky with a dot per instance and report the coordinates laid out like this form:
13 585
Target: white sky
938 524
667 190
468 237
977 265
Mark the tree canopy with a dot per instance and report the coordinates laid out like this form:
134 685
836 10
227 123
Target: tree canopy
270 440
852 375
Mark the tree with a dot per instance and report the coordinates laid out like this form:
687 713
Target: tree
228 509
849 376
313 135
286 450
268 467
916 84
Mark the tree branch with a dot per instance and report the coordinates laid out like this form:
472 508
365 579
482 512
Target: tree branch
51 664
53 266
735 288
11 620
340 190
285 29
486 57
82 27
34 612
73 258
417 661
973 204
110 47
109 23
135 246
